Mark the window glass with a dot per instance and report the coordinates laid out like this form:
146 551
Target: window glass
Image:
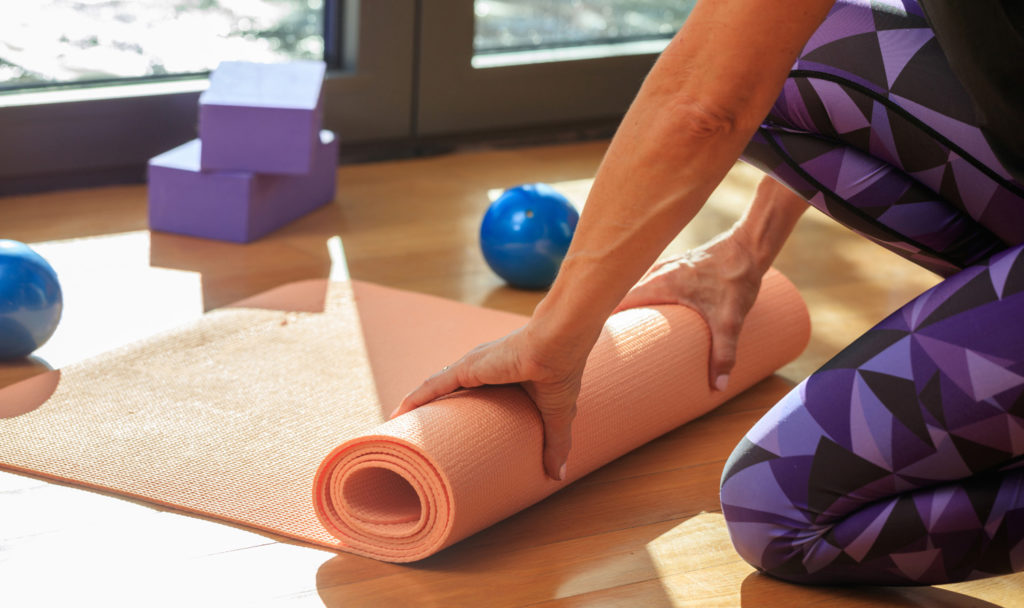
66 41
516 25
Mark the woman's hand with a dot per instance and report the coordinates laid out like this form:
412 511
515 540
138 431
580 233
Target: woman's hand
721 278
549 370
720 281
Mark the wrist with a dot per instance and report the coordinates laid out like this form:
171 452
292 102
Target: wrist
768 222
758 254
561 323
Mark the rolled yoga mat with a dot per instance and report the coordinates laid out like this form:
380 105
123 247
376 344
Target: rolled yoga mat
231 417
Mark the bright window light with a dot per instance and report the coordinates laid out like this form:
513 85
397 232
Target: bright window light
509 26
45 42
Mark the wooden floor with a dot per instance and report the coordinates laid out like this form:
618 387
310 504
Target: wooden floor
643 531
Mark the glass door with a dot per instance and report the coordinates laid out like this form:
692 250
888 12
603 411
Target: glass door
489 64
503 27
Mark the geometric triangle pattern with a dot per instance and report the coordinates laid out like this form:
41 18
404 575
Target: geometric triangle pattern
901 460
874 129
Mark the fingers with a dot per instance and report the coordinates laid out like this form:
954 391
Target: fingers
557 420
505 362
442 383
485 364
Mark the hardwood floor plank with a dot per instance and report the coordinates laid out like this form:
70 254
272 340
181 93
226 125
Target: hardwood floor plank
643 531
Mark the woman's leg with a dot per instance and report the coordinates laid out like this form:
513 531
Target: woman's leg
873 129
900 460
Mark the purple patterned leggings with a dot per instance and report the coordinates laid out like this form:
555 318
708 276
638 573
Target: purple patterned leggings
901 460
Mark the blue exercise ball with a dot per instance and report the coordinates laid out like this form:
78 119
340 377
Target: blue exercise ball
526 233
30 300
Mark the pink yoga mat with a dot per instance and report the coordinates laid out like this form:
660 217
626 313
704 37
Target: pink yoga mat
272 414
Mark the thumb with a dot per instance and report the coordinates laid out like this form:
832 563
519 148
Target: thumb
557 440
724 336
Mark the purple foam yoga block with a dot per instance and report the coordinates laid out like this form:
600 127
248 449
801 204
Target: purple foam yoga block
237 206
261 117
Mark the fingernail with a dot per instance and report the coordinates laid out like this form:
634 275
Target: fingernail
721 382
561 473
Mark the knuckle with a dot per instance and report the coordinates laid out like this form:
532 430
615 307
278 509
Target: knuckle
465 377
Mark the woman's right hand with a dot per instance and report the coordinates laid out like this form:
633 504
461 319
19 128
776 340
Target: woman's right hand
549 368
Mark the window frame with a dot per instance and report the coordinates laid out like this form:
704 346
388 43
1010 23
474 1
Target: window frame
70 136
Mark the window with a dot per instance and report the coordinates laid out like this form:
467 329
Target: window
64 136
507 26
82 41
399 70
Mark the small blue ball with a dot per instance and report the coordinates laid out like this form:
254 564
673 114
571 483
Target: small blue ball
526 233
30 300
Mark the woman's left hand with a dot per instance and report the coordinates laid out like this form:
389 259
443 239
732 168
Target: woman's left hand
719 281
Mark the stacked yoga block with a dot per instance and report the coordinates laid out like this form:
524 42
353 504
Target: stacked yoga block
261 159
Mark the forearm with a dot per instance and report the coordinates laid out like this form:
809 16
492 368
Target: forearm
691 119
650 185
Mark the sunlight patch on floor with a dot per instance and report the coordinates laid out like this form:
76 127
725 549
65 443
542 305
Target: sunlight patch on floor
102 313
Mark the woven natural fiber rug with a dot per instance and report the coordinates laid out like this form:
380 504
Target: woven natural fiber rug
239 416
